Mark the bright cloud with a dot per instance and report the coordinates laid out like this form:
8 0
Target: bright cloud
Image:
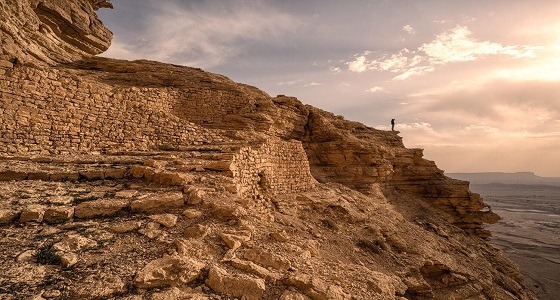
291 82
335 70
359 65
456 45
408 29
415 71
374 89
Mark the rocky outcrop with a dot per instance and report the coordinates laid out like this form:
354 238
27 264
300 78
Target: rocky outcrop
145 180
51 32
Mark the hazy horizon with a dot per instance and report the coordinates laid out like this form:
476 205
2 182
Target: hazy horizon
506 173
476 84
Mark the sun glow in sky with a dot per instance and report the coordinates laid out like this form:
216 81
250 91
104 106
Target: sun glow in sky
474 83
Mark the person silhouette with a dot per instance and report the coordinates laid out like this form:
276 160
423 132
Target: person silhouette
392 124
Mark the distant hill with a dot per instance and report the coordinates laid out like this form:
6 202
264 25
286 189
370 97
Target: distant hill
527 178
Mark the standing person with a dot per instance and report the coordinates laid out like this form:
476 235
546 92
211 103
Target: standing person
392 124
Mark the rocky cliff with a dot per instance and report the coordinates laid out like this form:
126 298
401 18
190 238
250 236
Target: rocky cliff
143 180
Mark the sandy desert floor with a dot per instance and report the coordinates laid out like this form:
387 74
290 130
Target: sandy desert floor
529 232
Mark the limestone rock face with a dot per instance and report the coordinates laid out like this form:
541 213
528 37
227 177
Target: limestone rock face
51 32
143 180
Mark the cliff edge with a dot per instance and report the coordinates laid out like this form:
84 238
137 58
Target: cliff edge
144 180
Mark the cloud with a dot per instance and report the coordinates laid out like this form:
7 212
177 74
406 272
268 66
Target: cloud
415 71
507 104
335 70
359 65
408 29
375 89
299 82
395 63
456 45
202 35
292 82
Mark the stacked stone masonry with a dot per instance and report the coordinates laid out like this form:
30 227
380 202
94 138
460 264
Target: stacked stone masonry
52 111
276 167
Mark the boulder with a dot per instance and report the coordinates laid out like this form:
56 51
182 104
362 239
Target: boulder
291 295
126 194
267 259
316 288
235 285
167 220
7 216
168 271
10 175
190 213
193 194
100 208
32 213
158 203
74 243
197 231
98 286
69 259
58 214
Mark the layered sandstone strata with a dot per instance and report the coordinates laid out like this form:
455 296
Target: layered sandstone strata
51 32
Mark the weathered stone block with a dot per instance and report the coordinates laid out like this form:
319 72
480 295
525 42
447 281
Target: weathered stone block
167 220
267 259
39 176
9 175
115 173
168 271
158 203
236 285
74 243
192 213
33 213
193 194
316 288
93 174
8 216
58 214
100 208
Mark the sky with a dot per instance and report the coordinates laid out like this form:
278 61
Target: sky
474 83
